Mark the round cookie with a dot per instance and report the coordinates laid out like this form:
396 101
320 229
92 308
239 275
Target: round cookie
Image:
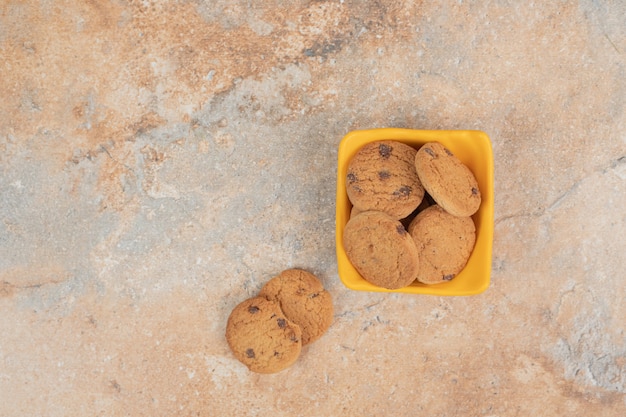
304 301
445 243
450 183
261 337
381 176
381 250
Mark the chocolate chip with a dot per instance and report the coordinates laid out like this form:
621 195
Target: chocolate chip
250 353
293 338
314 295
281 323
276 353
448 277
448 151
253 309
383 175
403 191
474 191
401 230
384 150
351 177
430 152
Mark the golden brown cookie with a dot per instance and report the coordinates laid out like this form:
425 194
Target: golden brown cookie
262 337
381 250
451 184
445 243
381 176
304 301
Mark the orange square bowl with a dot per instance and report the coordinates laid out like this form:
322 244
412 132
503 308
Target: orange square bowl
473 148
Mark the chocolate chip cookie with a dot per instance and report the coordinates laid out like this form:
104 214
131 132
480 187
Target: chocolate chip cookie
381 249
445 243
262 337
381 176
304 301
450 183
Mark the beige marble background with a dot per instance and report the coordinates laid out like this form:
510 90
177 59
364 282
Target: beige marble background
160 161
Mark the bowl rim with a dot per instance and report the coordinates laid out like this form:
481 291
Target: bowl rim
476 275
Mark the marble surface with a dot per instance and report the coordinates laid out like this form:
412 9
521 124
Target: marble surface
160 161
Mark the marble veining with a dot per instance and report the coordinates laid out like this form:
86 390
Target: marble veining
160 161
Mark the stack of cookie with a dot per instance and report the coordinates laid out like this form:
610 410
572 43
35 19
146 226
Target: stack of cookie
266 333
411 215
